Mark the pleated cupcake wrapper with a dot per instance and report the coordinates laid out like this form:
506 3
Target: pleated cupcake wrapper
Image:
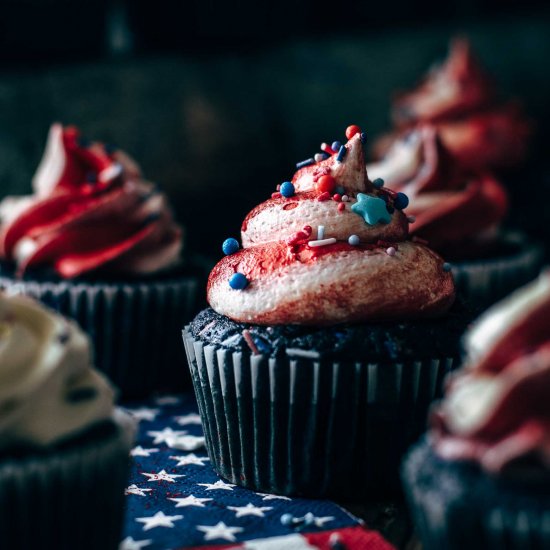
485 282
496 521
305 426
68 498
134 327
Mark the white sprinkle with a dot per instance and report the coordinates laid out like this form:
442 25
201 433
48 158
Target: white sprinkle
345 198
110 173
231 340
390 251
320 232
411 219
322 242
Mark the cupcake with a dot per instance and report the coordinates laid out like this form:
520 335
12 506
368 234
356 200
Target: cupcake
63 447
98 243
477 127
481 477
328 336
458 211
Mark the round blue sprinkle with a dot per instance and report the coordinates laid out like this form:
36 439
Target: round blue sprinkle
238 281
363 137
287 189
335 145
378 183
401 201
353 240
287 519
230 246
447 266
309 519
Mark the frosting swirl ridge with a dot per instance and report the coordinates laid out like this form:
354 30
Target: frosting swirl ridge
329 247
496 410
91 211
48 390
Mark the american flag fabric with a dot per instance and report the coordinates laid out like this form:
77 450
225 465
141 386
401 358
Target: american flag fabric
175 500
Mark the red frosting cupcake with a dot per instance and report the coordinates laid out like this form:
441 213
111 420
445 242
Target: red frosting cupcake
98 242
328 335
478 129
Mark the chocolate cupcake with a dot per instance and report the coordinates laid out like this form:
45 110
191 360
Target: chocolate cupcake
98 243
481 478
458 211
63 447
321 339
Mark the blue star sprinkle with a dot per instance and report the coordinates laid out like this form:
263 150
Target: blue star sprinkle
372 209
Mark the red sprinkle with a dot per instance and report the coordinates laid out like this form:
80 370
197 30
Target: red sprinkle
324 196
341 207
307 229
336 197
352 130
326 183
275 195
328 149
248 339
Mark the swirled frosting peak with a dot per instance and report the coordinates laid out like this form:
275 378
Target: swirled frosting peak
451 205
497 409
330 246
91 211
477 128
48 390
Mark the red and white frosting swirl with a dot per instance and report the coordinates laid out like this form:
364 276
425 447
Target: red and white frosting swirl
497 409
451 205
458 98
297 276
91 211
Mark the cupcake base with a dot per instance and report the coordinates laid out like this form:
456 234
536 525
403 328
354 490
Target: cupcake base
455 506
134 325
68 497
300 423
485 281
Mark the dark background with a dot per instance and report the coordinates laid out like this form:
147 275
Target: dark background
218 101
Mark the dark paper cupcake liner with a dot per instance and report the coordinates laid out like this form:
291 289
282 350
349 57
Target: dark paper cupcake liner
134 327
484 282
456 506
70 497
299 425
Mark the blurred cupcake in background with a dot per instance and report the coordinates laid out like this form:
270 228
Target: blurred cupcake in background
458 211
481 477
64 449
98 243
478 128
328 336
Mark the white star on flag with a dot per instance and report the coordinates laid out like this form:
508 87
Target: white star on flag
135 490
143 413
320 522
192 418
158 520
130 544
140 451
267 496
189 501
190 459
219 531
164 435
185 442
163 475
167 400
249 510
218 485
